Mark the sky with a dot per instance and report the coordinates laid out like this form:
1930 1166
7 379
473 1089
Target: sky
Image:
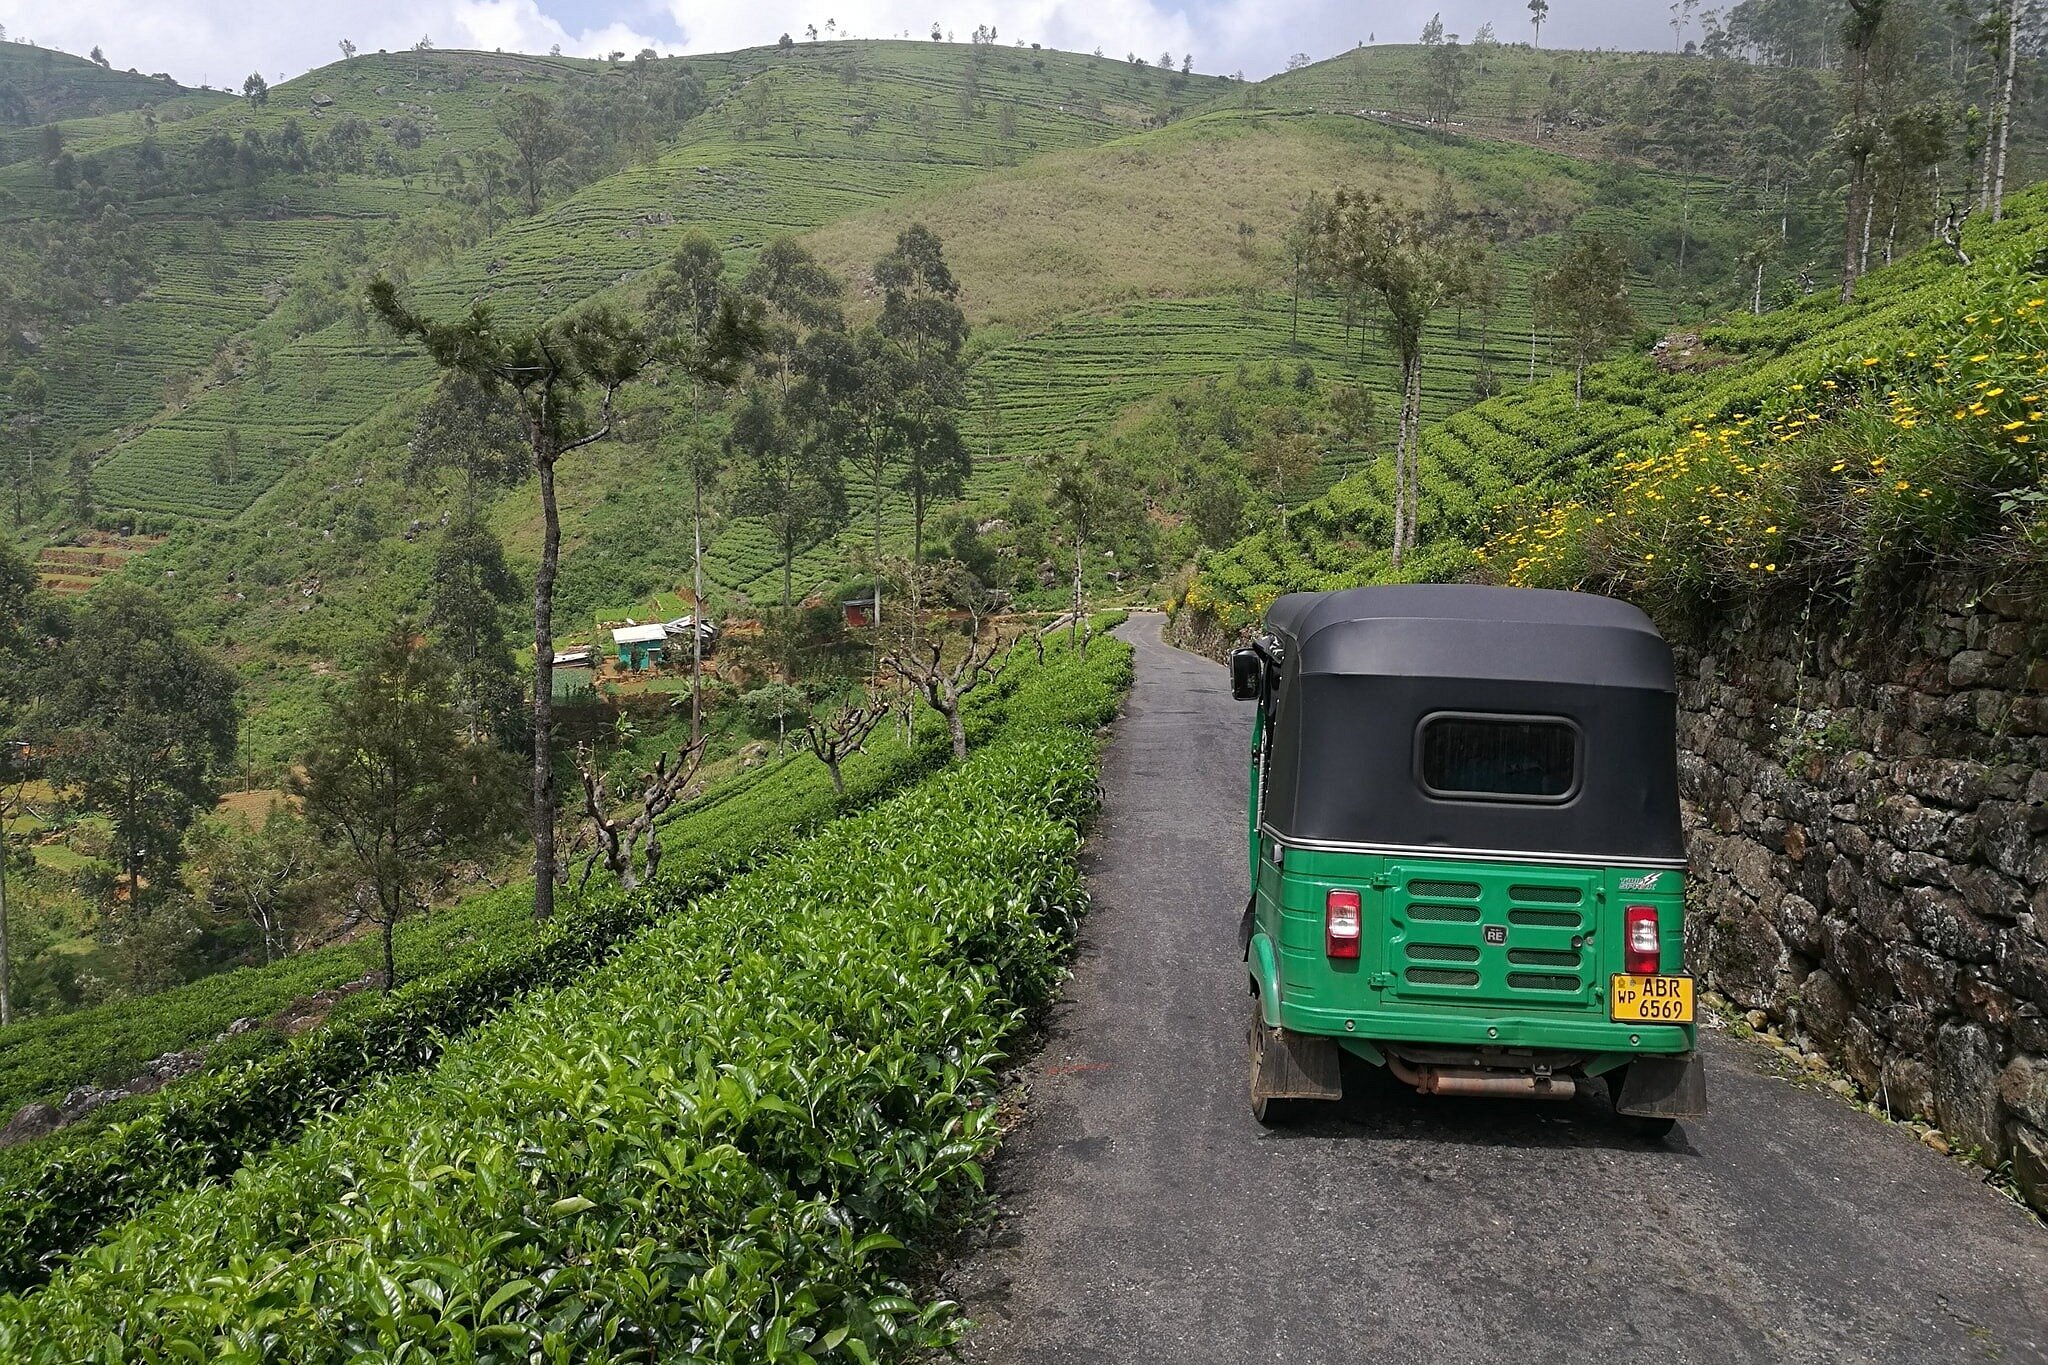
218 42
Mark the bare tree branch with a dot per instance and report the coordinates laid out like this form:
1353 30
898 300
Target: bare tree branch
624 844
944 688
837 739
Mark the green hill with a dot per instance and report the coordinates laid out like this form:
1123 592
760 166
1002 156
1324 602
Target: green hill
39 85
1111 249
1523 488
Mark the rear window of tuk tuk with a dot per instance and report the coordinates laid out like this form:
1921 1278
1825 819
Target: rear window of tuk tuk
1491 756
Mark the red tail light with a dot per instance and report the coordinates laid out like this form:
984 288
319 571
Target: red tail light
1642 946
1340 924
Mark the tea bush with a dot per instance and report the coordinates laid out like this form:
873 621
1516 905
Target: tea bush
55 1195
1747 430
728 1143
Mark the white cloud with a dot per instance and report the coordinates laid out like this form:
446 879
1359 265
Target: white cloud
220 41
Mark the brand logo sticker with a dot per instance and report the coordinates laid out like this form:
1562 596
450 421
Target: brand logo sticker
1647 882
1496 933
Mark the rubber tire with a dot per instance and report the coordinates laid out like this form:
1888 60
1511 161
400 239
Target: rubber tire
1639 1125
1268 1113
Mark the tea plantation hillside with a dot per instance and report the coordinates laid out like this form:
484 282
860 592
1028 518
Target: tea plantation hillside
1489 473
258 414
1107 276
39 85
1065 345
785 142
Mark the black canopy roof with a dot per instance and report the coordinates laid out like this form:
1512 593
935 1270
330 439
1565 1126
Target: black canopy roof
1456 630
1362 673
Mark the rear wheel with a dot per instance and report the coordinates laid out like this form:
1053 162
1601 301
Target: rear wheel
1266 1112
1639 1125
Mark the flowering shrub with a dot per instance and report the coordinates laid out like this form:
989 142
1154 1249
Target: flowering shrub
1927 450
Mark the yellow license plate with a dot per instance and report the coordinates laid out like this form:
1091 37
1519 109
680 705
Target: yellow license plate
1650 999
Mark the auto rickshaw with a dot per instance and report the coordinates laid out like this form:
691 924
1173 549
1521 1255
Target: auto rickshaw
1467 864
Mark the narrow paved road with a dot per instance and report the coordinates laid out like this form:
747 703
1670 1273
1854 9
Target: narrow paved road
1147 1218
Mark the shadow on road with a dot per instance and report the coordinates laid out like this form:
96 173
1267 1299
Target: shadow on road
1378 1108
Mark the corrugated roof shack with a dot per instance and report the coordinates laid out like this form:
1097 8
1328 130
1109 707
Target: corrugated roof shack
574 677
641 647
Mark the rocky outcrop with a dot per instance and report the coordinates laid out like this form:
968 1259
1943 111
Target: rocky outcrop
1868 797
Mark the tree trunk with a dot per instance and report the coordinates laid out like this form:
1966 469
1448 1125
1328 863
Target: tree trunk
1684 223
838 782
1869 216
544 690
958 730
697 610
876 468
916 564
1074 626
1849 230
6 960
788 554
1414 501
390 931
2013 12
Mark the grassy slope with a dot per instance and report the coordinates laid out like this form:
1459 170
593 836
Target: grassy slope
1104 266
807 168
1534 444
227 259
60 87
1131 251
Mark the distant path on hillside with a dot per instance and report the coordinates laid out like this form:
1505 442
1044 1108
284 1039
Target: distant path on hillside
1147 1218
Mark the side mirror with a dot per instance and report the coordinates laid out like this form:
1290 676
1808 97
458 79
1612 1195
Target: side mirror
1247 674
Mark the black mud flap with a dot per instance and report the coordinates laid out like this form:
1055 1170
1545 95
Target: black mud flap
1244 926
1663 1088
1293 1066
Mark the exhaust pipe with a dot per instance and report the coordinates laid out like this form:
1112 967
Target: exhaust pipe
1436 1080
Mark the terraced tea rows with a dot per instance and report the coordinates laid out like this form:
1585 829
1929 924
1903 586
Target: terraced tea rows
744 184
1483 467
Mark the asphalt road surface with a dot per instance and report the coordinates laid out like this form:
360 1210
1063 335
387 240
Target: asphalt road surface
1146 1217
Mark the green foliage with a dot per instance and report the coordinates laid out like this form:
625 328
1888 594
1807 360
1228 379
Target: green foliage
460 967
790 1086
140 721
1545 478
390 783
39 85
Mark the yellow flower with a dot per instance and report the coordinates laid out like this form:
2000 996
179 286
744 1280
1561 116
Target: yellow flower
1870 360
1770 530
1770 568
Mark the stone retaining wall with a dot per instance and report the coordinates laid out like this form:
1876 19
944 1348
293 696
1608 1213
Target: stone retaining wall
1868 801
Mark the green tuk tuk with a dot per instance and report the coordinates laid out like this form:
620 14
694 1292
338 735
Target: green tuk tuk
1467 864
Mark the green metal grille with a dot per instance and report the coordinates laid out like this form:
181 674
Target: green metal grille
1445 890
1542 957
1439 976
1548 919
1540 981
1446 914
1442 952
1545 895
